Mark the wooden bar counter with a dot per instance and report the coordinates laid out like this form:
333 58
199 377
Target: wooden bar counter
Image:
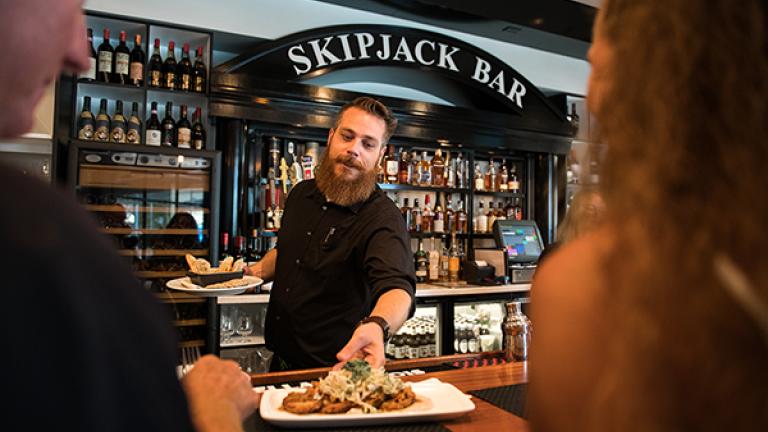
485 417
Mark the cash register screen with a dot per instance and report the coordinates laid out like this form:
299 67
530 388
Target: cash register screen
521 240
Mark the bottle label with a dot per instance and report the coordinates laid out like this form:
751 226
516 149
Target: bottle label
137 72
118 134
437 226
392 167
102 130
424 351
413 352
199 84
421 273
197 144
514 185
170 80
153 137
185 138
105 61
86 132
185 82
91 72
121 63
133 136
479 184
155 77
167 136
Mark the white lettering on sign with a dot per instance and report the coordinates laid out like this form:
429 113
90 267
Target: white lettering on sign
330 50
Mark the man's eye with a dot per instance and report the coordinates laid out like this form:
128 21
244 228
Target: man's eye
347 137
368 144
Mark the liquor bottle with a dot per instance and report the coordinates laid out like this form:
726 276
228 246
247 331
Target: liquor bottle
415 173
450 219
404 168
503 178
122 59
102 123
380 171
155 71
481 222
454 263
461 219
183 130
427 216
509 210
434 263
422 264
224 252
406 211
133 132
514 182
444 260
391 166
106 54
450 171
170 67
198 131
500 213
438 217
85 121
415 217
491 216
239 251
490 177
199 73
518 209
137 63
438 169
153 136
461 172
184 70
117 132
90 74
253 253
425 170
168 127
479 180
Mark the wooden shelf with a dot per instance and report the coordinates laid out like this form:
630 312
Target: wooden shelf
137 89
192 343
143 178
162 252
179 297
189 322
150 231
143 209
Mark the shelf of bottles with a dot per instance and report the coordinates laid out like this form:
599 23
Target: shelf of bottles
130 97
419 336
477 327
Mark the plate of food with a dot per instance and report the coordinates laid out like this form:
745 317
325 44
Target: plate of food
207 281
359 395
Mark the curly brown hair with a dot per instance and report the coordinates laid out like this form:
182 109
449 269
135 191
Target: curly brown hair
376 108
686 122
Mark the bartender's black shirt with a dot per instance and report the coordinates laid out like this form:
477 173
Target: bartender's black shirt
333 263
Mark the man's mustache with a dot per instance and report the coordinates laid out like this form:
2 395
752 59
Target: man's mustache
349 161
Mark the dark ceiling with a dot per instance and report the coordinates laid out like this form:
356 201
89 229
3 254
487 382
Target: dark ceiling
558 26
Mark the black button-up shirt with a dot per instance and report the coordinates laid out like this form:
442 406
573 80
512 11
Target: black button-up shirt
333 263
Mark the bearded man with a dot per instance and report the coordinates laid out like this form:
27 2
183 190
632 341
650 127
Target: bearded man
343 270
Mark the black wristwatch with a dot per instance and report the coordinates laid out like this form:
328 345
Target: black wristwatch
378 320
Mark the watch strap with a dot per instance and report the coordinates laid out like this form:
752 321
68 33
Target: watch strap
378 320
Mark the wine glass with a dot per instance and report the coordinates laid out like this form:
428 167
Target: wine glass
227 326
244 324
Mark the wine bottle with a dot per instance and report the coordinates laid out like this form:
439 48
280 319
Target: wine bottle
198 131
102 122
90 74
153 133
133 133
117 134
170 67
183 130
199 73
184 78
168 127
122 61
105 54
156 66
85 122
137 63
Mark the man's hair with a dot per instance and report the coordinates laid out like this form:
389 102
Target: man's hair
685 120
376 108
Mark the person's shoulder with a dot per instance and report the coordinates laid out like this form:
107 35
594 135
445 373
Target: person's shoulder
383 207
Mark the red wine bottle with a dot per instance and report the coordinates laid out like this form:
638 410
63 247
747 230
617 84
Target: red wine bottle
122 61
153 136
137 63
155 72
184 79
168 127
105 55
170 68
90 74
199 73
183 130
198 131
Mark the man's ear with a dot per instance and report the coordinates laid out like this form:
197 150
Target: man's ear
330 135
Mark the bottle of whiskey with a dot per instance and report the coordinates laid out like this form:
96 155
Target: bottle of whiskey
481 222
490 177
454 260
153 136
122 61
168 127
404 168
438 217
90 74
136 69
450 171
425 170
491 216
198 131
391 166
415 172
427 216
183 130
102 123
450 219
438 169
133 131
416 217
199 72
479 180
461 172
422 264
106 55
85 121
434 262
514 182
117 133
503 178
407 216
155 67
444 260
461 219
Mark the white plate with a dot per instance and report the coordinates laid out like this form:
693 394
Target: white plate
435 401
176 284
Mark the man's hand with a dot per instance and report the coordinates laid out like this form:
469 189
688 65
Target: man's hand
220 395
367 343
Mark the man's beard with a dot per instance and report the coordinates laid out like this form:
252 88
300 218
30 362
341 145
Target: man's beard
339 190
